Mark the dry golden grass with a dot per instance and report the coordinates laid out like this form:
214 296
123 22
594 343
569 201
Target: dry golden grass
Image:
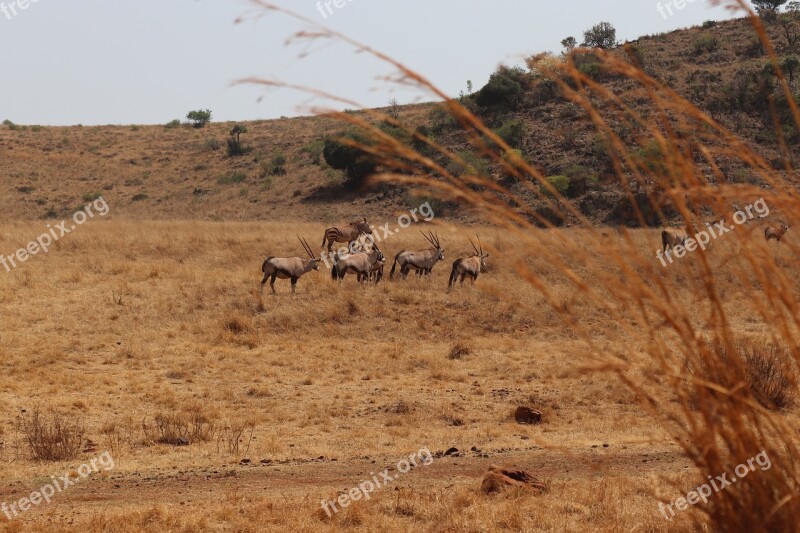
650 378
124 323
716 417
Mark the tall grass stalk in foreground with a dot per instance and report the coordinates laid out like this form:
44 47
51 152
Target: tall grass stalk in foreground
725 388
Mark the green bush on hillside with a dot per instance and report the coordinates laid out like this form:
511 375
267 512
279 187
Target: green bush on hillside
343 153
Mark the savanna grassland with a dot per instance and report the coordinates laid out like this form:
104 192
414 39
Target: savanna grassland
145 334
288 400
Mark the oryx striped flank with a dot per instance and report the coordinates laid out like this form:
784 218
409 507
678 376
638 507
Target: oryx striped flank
347 234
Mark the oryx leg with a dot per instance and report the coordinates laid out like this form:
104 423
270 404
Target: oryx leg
294 285
264 281
272 282
464 275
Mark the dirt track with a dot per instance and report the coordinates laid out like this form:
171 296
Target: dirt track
322 477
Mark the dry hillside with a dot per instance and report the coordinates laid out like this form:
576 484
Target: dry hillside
153 172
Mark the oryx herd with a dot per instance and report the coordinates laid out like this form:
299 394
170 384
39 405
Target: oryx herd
365 259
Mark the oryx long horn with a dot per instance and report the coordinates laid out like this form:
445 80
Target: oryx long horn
299 238
427 238
473 246
435 239
479 243
310 251
306 246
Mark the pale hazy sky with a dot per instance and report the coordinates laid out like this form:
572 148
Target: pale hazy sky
150 61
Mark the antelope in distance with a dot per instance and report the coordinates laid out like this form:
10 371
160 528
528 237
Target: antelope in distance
361 263
775 233
422 261
471 266
672 237
292 268
376 274
348 234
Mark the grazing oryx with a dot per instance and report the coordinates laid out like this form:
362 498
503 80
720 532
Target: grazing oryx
776 233
672 237
376 274
422 261
362 264
288 268
471 266
348 234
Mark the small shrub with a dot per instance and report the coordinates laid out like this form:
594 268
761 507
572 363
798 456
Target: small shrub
53 438
559 183
765 367
472 165
512 132
709 24
277 164
236 148
581 179
441 120
233 178
172 124
314 151
755 48
459 350
180 429
770 377
139 197
705 43
91 196
211 145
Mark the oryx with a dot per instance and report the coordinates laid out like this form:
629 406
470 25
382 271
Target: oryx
292 268
422 261
672 237
361 263
775 233
348 234
470 266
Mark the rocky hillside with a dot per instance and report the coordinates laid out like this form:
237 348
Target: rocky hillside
181 172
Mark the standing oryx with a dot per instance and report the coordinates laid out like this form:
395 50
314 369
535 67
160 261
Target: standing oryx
422 261
362 264
471 266
348 234
775 233
288 268
672 237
